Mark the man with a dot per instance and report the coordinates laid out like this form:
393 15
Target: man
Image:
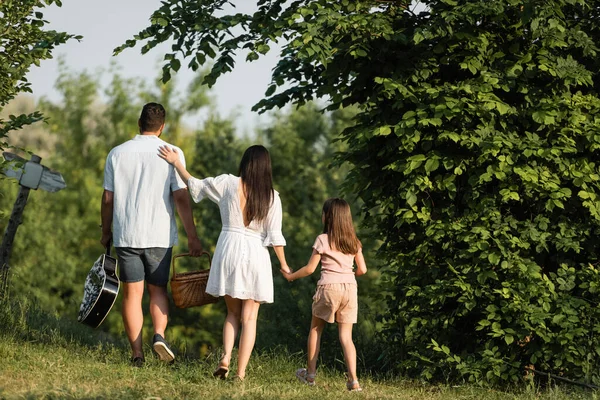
139 192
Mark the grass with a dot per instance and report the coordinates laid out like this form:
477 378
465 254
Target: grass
44 357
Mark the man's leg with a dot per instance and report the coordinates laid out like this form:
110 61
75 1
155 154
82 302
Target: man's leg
133 317
156 271
159 308
156 266
131 275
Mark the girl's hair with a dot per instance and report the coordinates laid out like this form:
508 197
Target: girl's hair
337 224
256 174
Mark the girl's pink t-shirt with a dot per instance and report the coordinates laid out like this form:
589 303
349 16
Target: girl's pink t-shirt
336 267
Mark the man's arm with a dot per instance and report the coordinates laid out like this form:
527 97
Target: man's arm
184 209
106 213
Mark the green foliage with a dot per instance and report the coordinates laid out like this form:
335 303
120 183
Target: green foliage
25 320
48 357
44 356
474 151
59 238
300 144
23 43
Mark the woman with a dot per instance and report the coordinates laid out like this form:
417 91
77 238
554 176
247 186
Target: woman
241 267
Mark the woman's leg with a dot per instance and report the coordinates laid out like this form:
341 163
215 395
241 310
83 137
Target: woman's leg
314 343
230 328
248 336
345 333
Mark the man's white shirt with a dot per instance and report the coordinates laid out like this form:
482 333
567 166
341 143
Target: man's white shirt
142 183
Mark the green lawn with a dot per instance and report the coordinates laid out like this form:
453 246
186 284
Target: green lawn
49 358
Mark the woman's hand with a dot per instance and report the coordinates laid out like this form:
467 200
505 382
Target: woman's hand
286 269
287 274
168 154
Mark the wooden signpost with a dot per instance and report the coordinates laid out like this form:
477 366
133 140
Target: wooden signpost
31 175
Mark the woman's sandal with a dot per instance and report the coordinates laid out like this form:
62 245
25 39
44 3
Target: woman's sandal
221 372
353 386
304 377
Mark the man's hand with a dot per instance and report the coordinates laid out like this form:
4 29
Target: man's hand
105 239
194 247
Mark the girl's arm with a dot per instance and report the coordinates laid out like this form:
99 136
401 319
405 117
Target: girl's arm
170 155
307 269
279 252
361 266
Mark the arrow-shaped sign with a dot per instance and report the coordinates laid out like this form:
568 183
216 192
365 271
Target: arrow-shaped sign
33 175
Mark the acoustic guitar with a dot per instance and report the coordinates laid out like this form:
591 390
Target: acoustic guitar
100 290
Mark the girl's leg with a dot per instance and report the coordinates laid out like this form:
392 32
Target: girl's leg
314 343
345 333
230 328
248 336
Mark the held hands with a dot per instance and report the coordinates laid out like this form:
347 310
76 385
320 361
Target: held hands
286 272
168 154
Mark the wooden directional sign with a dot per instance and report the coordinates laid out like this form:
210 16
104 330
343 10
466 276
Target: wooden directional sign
31 175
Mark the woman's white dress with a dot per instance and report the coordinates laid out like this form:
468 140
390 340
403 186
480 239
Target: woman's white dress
241 265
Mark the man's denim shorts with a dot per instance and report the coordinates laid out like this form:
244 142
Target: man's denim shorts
150 264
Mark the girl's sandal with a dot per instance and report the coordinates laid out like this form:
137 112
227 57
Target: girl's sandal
304 377
221 372
353 386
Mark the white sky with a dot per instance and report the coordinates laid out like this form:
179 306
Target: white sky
106 24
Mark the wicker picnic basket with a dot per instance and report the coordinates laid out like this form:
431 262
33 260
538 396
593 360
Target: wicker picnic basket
189 288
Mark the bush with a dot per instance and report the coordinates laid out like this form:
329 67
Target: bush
491 140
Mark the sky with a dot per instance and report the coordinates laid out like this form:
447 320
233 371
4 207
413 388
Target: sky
106 24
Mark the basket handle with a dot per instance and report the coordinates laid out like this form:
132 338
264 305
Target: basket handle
187 255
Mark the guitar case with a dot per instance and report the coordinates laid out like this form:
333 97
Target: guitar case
100 290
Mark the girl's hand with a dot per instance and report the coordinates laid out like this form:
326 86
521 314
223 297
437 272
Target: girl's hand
168 154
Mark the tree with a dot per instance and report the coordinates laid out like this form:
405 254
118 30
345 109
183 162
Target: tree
475 152
23 43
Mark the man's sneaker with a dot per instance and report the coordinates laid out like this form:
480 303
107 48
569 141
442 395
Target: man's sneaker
161 347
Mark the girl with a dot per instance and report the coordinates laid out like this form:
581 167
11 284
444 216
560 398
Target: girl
241 267
336 296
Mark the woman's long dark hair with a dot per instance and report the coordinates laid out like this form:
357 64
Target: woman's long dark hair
257 177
